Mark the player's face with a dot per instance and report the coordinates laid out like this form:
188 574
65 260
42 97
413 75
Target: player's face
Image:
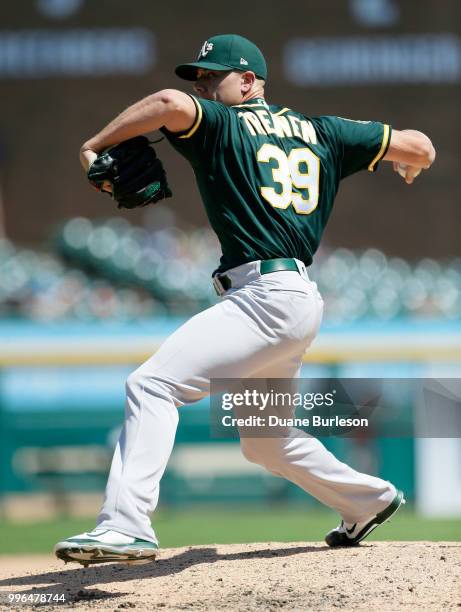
221 86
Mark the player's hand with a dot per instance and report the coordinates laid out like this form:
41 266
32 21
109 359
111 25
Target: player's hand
87 157
408 173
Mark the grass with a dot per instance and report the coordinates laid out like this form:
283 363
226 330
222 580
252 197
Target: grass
209 526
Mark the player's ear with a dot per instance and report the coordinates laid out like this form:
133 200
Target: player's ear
247 81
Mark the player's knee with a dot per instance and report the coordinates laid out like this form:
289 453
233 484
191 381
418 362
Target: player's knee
134 382
249 451
167 388
263 451
140 383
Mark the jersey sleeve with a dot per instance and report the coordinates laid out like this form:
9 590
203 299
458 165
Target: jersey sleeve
362 144
204 134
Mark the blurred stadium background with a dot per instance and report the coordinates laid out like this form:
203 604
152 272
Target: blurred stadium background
87 293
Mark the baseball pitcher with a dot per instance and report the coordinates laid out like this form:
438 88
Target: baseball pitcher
268 177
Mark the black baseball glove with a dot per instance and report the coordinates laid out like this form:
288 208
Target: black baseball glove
134 171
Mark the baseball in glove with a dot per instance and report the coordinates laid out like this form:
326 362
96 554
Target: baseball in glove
134 171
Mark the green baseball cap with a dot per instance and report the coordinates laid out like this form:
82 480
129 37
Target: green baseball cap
226 52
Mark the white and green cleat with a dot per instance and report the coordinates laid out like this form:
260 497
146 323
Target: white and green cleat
105 546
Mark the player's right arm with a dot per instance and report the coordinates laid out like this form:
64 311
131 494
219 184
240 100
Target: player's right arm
412 148
364 144
168 108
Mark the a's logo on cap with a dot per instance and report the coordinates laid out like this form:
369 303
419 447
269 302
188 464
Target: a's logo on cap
243 61
206 47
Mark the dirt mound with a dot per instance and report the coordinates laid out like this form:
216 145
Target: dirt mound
384 576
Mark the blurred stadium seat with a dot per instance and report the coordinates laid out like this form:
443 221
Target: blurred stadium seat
112 269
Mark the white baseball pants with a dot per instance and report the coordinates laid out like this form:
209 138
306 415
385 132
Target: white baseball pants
260 328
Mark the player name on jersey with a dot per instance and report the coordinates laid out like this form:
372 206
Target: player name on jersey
262 121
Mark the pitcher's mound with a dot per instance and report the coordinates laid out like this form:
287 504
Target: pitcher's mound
381 576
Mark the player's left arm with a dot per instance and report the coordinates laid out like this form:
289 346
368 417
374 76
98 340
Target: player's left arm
411 149
168 108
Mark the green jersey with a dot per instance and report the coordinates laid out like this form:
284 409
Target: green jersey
268 175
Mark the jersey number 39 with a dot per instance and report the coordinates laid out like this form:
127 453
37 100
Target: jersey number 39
298 170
